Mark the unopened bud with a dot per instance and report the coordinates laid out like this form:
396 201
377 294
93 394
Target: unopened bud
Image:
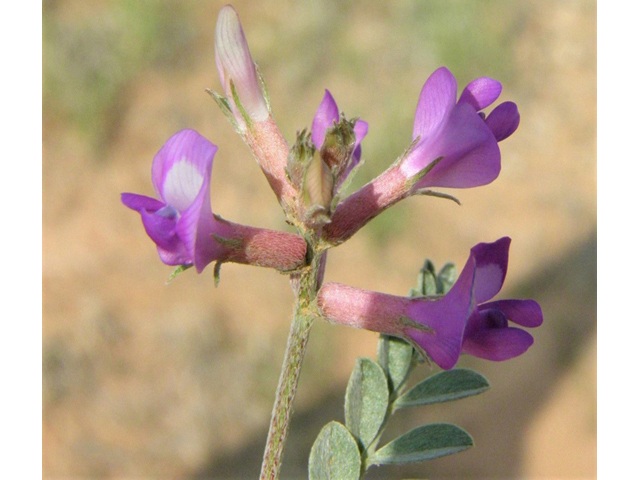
317 191
300 156
339 144
237 70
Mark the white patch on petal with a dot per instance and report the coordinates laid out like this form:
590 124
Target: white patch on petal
182 184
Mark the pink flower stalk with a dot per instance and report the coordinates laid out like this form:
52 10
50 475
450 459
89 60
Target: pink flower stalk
462 321
249 108
454 146
182 224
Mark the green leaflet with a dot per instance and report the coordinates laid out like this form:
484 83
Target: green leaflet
446 278
396 358
334 455
443 387
366 401
423 443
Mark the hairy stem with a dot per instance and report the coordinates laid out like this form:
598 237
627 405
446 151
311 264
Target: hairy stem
306 285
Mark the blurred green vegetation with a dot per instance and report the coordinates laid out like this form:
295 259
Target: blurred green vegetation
90 56
140 380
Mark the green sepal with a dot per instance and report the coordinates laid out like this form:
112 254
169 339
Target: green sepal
421 327
422 173
263 88
236 100
228 242
443 387
366 401
178 270
216 273
334 455
423 443
225 106
431 193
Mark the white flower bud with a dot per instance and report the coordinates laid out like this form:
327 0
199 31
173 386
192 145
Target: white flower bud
235 66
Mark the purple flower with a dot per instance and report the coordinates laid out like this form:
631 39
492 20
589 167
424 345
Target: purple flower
486 330
487 333
455 146
183 226
181 222
326 116
464 139
462 321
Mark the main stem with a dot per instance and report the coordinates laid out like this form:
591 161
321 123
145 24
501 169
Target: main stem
306 286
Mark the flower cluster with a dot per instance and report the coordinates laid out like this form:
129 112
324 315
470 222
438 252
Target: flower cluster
455 145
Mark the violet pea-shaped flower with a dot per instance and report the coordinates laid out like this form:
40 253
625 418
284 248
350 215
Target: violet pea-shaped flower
455 145
462 321
488 334
182 225
453 131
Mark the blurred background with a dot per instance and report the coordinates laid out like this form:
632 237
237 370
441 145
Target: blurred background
143 379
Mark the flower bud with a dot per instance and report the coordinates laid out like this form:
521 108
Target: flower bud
338 140
299 158
317 191
312 179
237 70
338 146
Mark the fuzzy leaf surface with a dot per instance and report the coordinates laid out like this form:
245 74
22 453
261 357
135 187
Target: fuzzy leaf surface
395 356
444 387
366 400
334 455
423 443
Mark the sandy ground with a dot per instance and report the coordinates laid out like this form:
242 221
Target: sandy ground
147 380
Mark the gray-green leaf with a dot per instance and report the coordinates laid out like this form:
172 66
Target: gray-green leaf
423 443
426 281
444 387
366 400
334 455
446 278
395 356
